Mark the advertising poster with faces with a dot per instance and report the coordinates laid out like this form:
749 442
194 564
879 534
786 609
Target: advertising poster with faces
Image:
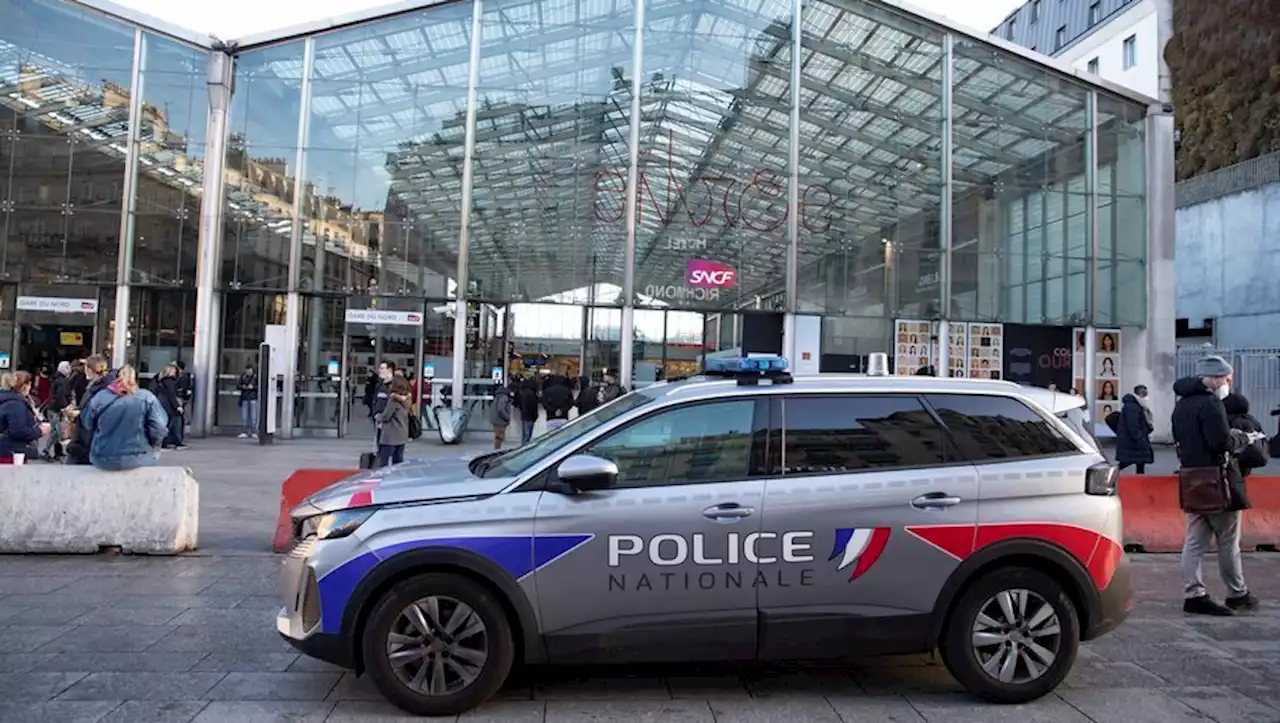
911 346
1108 388
986 351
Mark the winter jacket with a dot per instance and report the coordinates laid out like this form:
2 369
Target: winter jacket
1203 435
125 427
62 393
527 401
500 412
393 420
166 390
248 386
79 385
1238 416
82 441
557 398
381 393
19 428
588 398
1133 434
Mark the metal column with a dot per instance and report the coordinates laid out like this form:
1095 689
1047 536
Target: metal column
792 293
124 271
293 303
464 222
626 340
218 79
944 209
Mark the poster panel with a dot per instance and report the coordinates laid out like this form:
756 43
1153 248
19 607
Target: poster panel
1038 355
986 351
912 346
1109 386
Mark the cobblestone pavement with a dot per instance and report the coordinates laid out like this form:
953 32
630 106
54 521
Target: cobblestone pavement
151 640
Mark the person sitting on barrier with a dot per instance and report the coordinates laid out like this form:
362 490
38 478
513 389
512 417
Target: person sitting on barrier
96 378
1211 490
1133 432
393 423
128 424
20 429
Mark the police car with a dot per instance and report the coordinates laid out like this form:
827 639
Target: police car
740 515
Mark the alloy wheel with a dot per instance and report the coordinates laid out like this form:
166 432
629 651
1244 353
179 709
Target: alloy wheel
437 646
1016 636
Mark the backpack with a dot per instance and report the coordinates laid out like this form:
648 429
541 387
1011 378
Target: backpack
1113 421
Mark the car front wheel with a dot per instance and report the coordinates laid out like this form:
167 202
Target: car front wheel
1012 637
438 645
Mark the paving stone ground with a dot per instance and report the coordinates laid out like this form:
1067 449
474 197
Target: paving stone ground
98 639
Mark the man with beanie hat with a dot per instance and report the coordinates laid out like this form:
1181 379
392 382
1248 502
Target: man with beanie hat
1204 439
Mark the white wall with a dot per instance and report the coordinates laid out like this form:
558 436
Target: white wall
1107 45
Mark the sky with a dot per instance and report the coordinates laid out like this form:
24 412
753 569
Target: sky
235 19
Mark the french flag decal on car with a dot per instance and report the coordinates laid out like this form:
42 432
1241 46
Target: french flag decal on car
860 547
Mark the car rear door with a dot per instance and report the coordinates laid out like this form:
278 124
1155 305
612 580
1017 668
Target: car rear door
863 475
1031 478
667 566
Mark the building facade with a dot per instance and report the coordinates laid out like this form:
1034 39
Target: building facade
471 188
1112 39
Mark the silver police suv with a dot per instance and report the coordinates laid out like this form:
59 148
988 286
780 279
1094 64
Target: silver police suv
742 515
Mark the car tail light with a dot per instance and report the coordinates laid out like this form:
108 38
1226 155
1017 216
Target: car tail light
1101 479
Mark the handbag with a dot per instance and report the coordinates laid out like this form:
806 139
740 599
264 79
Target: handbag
1204 490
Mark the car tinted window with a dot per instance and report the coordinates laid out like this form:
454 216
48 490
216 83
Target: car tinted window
998 428
522 458
695 443
858 432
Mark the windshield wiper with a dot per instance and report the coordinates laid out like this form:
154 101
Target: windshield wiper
481 464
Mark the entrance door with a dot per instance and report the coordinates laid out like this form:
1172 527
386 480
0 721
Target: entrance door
378 330
53 325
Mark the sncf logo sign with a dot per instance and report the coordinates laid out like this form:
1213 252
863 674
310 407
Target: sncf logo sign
704 274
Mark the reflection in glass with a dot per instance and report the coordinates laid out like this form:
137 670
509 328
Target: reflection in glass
870 162
64 111
258 179
171 135
1122 212
712 197
1019 223
551 148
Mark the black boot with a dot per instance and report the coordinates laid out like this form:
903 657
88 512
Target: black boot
1246 601
1205 605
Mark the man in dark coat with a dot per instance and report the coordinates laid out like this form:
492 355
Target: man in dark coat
557 399
1205 439
1133 432
527 401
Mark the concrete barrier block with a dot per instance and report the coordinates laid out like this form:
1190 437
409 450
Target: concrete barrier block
70 508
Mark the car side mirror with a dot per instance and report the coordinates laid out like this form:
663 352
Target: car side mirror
585 473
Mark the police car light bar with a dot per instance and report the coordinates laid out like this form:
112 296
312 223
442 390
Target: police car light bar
750 369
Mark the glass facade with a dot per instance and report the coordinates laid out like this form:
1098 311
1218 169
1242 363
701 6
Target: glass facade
603 184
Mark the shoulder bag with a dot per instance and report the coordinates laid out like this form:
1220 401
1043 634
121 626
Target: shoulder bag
1204 490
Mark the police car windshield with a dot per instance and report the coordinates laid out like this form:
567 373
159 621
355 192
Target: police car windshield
518 460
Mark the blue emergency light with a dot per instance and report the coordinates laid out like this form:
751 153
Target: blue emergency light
750 369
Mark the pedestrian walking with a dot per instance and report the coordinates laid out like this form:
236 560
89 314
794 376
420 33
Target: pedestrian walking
1133 432
557 399
527 401
167 391
393 422
1211 489
500 414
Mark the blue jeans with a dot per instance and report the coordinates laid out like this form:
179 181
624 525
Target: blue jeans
133 461
526 431
390 453
249 415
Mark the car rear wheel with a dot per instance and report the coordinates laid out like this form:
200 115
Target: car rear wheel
1012 637
438 645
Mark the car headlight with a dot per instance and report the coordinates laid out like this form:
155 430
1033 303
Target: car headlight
335 525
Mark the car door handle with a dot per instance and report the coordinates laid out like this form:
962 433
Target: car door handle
728 512
935 501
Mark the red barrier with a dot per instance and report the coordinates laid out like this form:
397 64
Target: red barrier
1154 522
300 485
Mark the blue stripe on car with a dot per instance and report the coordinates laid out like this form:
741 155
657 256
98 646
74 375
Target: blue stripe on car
520 556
